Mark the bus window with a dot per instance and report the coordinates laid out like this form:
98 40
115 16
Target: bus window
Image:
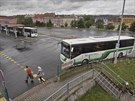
76 51
126 43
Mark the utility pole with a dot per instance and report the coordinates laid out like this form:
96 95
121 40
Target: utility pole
0 28
4 85
118 43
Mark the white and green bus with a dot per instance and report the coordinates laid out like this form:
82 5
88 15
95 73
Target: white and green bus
86 50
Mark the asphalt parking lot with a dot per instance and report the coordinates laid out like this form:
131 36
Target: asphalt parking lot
43 51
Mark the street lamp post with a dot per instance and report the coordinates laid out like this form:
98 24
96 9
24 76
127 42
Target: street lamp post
0 28
118 43
4 85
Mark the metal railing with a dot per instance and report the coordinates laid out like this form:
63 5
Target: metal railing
3 90
64 90
94 74
102 81
111 74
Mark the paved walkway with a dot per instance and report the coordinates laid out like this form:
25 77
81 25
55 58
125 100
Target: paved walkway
44 90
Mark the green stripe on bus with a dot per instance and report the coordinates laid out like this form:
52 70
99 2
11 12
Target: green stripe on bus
106 53
64 59
77 62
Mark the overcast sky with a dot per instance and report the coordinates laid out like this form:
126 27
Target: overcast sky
14 7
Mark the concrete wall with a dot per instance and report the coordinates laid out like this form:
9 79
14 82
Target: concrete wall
78 91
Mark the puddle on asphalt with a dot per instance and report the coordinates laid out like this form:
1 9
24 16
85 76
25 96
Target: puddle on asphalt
22 49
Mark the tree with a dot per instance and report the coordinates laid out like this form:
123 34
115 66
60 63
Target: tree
132 27
89 23
110 26
49 24
28 21
73 23
80 24
87 18
124 27
40 24
66 24
99 24
20 19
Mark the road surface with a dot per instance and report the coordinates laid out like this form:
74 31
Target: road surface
43 51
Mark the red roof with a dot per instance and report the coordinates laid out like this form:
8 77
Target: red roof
44 15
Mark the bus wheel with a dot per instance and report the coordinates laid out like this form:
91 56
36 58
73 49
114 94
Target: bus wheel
120 55
85 61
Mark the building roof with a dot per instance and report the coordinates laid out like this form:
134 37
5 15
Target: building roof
15 25
28 27
44 15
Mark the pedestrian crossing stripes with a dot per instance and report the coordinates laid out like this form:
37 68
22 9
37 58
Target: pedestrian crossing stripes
13 61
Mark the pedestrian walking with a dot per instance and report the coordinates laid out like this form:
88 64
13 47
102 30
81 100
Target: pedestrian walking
29 74
40 74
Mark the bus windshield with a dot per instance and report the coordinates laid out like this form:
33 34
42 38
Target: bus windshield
34 30
65 50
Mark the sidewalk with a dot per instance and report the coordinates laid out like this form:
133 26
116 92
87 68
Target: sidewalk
43 90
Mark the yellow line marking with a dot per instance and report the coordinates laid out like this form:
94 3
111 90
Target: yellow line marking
15 62
34 75
3 99
5 54
18 64
12 60
2 54
42 79
7 57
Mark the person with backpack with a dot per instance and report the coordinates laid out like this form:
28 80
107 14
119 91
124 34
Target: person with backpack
40 74
29 74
